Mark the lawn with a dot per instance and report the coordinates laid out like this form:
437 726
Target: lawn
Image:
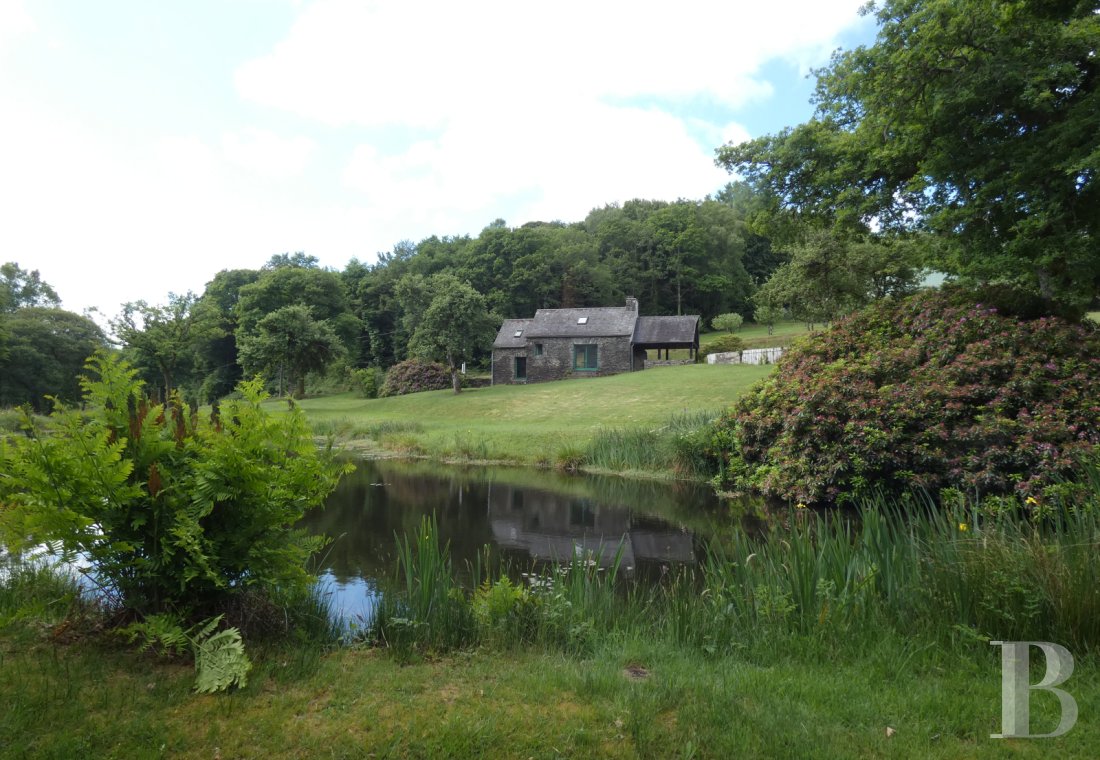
756 336
92 700
527 424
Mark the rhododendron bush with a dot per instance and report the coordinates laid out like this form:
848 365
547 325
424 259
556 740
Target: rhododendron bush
929 392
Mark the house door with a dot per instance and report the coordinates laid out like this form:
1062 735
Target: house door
521 368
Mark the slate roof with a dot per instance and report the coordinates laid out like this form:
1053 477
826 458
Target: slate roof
506 338
651 331
603 322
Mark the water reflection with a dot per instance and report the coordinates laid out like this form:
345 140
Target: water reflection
521 515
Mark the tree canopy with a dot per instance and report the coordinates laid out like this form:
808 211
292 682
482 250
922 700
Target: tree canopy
45 354
455 325
288 343
20 288
977 121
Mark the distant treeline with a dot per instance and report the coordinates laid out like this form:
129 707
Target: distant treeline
727 254
687 257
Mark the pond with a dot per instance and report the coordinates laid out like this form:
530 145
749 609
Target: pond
525 517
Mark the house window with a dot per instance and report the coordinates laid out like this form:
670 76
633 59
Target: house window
585 358
538 349
521 368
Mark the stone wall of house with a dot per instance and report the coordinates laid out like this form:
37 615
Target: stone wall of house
613 356
640 358
504 365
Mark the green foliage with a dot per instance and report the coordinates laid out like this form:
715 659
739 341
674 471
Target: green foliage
724 344
668 447
216 360
175 514
46 352
728 322
506 613
930 392
366 382
413 376
20 289
570 458
220 659
35 591
768 314
288 343
161 340
297 281
432 613
972 120
827 276
454 327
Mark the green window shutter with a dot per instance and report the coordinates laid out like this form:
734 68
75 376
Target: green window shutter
585 357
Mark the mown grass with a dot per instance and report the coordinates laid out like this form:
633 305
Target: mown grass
526 424
756 336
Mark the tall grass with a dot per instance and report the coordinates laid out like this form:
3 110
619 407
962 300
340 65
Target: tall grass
32 589
956 577
668 447
345 428
430 611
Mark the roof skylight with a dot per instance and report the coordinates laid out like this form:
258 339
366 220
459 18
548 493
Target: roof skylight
518 333
582 320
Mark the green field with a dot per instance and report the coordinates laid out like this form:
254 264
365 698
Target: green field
527 424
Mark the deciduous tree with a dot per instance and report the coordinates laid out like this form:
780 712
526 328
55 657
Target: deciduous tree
455 327
291 343
975 120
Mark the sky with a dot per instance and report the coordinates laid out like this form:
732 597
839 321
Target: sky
145 146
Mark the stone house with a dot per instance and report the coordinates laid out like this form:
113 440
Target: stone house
587 342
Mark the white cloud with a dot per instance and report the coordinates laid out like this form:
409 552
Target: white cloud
533 109
267 154
15 21
421 63
500 109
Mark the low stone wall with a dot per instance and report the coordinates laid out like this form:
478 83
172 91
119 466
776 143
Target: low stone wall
748 356
667 363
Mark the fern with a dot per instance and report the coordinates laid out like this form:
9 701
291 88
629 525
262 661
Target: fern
220 659
162 631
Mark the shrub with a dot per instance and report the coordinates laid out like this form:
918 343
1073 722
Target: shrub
728 322
930 392
176 514
413 376
720 346
365 382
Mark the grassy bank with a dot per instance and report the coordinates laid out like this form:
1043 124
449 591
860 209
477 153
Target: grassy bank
810 642
544 424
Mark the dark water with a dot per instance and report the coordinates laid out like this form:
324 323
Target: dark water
524 516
